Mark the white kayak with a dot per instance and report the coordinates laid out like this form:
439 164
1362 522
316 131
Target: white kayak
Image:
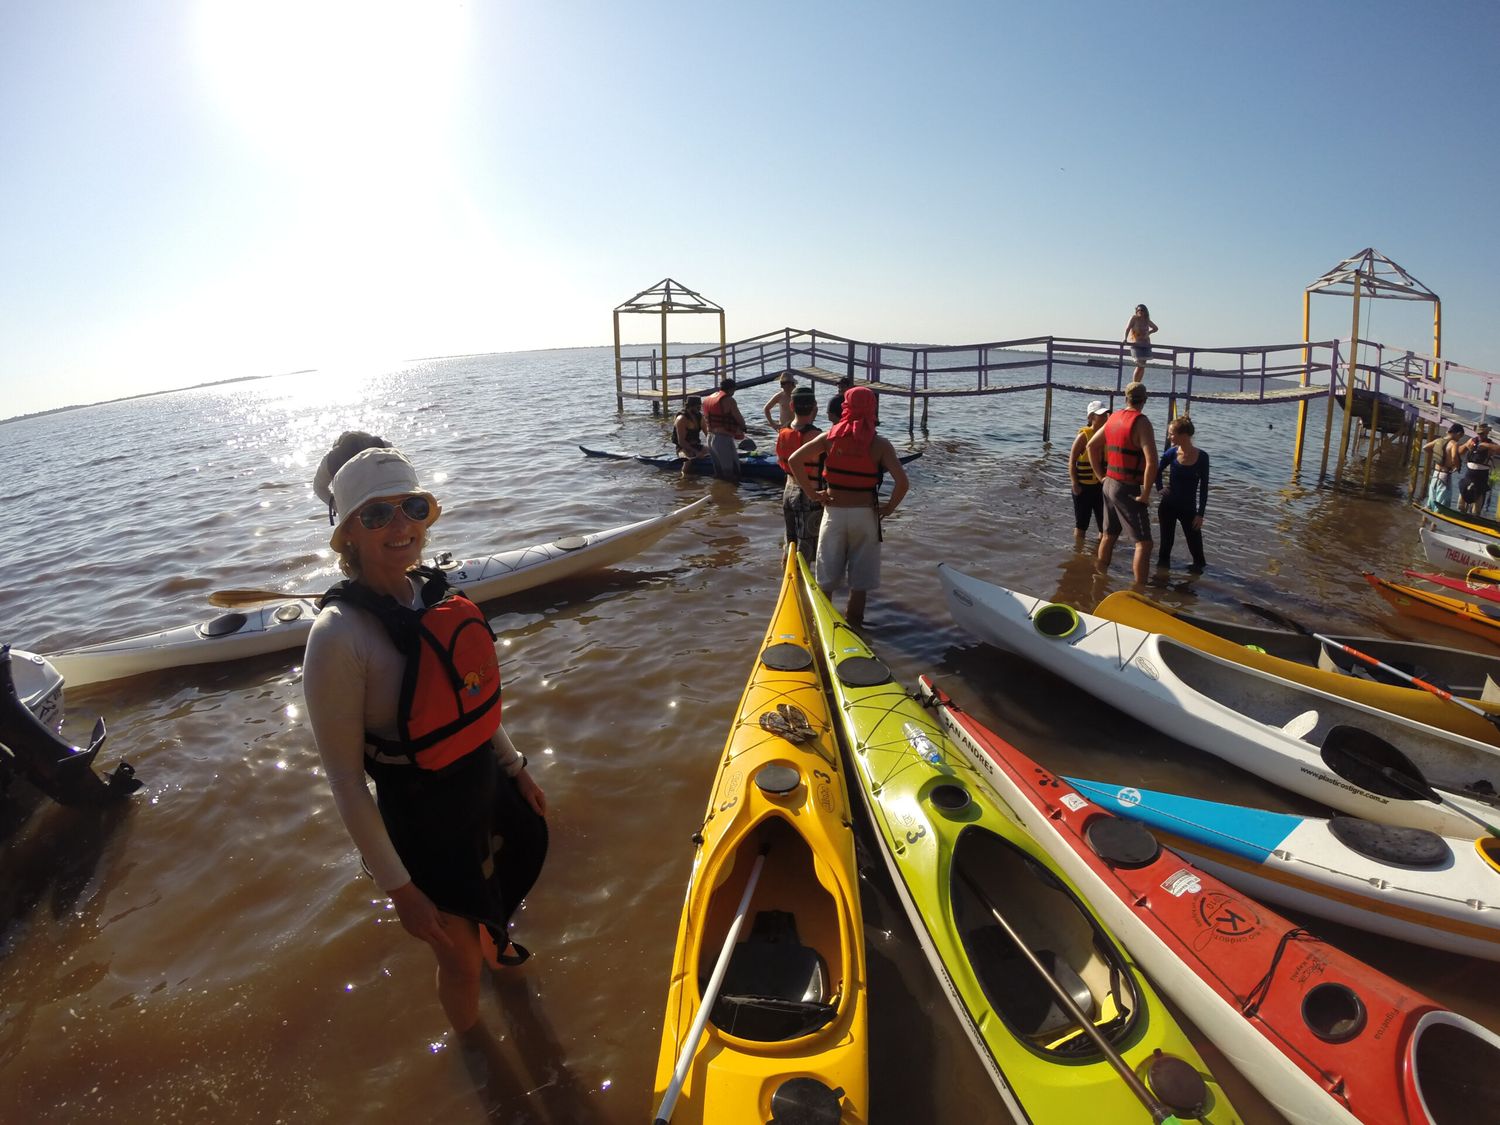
1404 883
1446 546
279 625
39 685
1322 746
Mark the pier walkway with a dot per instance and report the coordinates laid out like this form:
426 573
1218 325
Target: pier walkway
1260 374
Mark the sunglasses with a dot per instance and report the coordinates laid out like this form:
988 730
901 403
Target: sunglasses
381 512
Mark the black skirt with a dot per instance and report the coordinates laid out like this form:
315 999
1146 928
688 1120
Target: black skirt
469 840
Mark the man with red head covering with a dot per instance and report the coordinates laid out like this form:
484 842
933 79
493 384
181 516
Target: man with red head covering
854 458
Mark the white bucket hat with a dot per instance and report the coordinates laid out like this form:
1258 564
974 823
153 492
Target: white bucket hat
1097 407
370 474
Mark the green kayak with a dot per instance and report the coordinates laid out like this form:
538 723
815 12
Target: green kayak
956 861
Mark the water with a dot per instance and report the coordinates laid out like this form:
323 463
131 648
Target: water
212 950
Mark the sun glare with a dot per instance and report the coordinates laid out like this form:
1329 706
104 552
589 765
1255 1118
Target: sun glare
321 81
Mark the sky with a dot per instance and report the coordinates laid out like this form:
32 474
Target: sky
194 191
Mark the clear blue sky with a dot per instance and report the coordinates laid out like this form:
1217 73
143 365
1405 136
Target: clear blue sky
196 191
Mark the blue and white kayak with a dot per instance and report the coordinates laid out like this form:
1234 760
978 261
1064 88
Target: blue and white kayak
1405 883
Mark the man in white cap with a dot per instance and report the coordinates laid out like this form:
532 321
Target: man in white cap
1088 489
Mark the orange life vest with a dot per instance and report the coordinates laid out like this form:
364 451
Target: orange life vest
450 690
851 471
791 439
719 419
1123 459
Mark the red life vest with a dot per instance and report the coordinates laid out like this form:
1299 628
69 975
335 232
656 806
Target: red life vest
719 419
1123 459
450 690
851 471
791 439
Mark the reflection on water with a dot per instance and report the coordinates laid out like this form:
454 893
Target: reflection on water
213 951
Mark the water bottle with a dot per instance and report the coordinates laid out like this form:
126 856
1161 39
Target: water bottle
926 749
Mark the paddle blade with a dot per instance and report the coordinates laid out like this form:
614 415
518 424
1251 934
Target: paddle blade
1372 763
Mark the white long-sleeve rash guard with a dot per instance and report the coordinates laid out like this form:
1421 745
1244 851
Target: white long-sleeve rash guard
351 682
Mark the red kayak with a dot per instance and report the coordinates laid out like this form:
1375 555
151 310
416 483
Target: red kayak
1486 590
1323 1036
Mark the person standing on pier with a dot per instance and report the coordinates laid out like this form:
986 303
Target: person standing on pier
1088 489
726 427
1123 454
854 459
1441 491
781 403
1183 481
1138 336
803 515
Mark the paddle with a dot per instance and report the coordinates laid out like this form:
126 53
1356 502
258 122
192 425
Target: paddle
710 994
1272 615
1366 759
1158 1111
230 599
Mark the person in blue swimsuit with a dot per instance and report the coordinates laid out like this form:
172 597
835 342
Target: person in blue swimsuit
1138 336
1183 481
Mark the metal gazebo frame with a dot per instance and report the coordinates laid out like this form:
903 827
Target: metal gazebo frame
666 296
1373 275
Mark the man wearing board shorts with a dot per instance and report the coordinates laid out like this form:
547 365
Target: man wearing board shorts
1123 454
855 458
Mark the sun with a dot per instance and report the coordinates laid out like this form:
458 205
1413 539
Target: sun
320 82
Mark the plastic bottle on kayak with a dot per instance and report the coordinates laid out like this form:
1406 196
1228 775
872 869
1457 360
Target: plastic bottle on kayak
924 746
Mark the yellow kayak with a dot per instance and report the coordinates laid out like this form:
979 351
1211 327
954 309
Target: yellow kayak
1480 620
1129 608
787 1028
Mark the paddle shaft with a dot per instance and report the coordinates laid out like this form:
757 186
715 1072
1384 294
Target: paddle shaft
1416 680
1159 1112
229 599
710 994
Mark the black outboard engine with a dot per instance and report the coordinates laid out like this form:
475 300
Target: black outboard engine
39 754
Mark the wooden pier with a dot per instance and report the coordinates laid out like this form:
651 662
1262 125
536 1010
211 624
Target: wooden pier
1408 386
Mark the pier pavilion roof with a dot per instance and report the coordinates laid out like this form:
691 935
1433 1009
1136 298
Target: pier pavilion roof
1375 275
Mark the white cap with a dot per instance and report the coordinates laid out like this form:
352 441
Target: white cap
1097 407
367 475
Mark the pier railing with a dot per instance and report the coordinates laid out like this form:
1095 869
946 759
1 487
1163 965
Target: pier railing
922 372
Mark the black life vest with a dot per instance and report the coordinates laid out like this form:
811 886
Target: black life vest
450 690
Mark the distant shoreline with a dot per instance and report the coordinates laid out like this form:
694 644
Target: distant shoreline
151 394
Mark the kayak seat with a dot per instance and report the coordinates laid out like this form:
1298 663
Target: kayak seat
775 988
1017 992
1300 726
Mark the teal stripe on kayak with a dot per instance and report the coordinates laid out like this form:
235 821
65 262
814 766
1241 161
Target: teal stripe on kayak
1251 833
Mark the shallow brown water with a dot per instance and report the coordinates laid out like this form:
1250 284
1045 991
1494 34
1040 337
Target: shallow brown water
212 949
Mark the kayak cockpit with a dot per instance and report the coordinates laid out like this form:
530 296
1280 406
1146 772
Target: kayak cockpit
786 975
992 876
1455 1068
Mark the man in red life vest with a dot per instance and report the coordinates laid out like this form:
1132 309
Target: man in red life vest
1123 455
726 426
854 458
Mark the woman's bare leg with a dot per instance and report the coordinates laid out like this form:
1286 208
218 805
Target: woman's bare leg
458 973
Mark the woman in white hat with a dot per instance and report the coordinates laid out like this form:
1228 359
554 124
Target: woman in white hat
401 682
1088 490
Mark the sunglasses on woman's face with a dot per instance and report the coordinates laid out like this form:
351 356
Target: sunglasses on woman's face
381 512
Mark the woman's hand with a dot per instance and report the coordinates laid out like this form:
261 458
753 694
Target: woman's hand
419 917
532 792
1197 523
